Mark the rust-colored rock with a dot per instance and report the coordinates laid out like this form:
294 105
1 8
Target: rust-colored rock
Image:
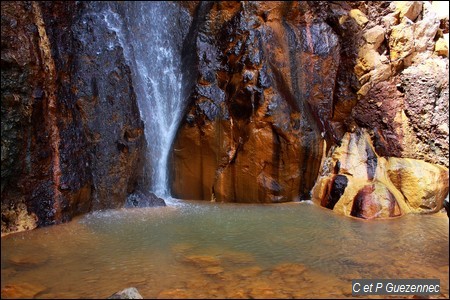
375 201
253 131
22 291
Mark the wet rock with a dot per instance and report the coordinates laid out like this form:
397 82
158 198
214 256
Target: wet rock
139 199
19 259
337 187
237 257
249 272
202 261
254 133
214 271
128 293
174 294
70 135
289 269
375 201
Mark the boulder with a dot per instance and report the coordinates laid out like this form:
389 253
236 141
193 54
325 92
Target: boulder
359 17
128 293
408 9
374 36
423 185
355 181
140 199
441 47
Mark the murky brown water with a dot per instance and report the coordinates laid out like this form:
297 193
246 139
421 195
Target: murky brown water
204 250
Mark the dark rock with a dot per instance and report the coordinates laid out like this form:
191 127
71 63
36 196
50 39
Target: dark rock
337 189
447 207
66 100
139 199
261 101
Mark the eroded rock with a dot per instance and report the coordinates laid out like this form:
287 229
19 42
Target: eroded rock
253 131
356 181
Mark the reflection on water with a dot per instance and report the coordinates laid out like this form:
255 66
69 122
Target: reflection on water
204 250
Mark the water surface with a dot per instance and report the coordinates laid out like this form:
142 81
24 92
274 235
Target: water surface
204 250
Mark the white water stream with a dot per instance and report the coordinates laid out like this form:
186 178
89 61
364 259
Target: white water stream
151 35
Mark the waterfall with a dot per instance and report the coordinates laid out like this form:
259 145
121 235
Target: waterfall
151 35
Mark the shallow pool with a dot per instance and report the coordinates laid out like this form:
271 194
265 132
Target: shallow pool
206 250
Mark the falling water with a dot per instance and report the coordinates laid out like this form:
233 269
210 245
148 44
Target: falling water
151 35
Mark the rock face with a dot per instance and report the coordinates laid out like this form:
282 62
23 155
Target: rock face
273 90
262 98
403 99
355 181
72 138
268 83
403 107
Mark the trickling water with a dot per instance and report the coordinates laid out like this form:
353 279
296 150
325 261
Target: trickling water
151 35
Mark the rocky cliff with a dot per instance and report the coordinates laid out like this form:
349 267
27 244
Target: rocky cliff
274 87
72 138
341 102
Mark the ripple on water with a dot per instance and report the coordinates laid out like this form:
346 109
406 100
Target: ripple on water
205 250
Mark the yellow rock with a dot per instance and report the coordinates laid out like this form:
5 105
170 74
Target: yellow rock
359 17
424 185
374 36
409 9
441 47
401 41
368 59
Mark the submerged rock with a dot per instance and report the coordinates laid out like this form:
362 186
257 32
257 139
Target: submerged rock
128 293
22 291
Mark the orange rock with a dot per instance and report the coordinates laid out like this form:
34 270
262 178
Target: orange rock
203 261
22 291
253 130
